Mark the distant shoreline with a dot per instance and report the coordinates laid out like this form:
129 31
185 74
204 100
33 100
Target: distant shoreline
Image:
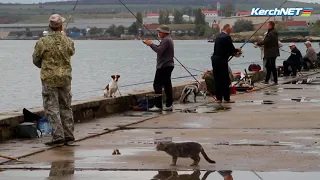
235 39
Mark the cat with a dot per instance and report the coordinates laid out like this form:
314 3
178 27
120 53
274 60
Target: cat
173 175
183 150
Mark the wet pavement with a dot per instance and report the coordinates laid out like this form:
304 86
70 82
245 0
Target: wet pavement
54 174
273 133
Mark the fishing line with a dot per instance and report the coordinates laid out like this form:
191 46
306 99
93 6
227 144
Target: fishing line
74 8
174 56
256 31
192 68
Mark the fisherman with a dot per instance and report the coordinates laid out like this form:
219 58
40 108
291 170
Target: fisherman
209 79
271 51
165 66
310 57
52 54
223 49
293 61
262 55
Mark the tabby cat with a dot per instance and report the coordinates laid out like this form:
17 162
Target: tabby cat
173 175
183 150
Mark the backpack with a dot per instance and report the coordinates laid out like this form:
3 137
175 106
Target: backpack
142 104
254 67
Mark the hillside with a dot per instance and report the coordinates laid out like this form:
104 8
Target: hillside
38 13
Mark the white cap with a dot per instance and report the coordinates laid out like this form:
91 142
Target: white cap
292 44
307 42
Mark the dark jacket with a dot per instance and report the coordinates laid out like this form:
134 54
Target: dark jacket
270 43
223 46
165 53
295 56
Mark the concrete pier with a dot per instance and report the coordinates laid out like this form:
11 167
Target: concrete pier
266 132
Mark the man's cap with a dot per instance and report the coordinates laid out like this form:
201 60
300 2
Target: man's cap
164 29
292 44
56 20
307 42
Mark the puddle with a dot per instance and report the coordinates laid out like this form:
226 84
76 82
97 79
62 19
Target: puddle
299 131
249 142
303 99
309 80
257 102
137 114
200 110
75 173
272 92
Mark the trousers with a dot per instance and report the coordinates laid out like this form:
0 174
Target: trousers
163 79
57 107
294 67
221 76
271 67
307 64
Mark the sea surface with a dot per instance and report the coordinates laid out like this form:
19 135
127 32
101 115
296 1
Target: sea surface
95 61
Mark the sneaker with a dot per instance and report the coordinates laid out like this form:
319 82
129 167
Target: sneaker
155 109
275 84
230 101
167 108
68 140
55 142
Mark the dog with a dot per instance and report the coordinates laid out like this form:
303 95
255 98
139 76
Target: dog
111 89
189 93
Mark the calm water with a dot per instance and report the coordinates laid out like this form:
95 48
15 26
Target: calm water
94 63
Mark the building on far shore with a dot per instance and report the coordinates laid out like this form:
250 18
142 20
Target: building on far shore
175 28
243 13
296 22
290 25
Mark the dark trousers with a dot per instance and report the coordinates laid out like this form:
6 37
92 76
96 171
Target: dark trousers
294 67
271 67
221 77
163 79
305 62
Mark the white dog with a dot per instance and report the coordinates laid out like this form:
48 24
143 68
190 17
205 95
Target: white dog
111 89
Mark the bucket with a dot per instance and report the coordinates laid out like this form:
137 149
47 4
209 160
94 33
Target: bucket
233 90
44 126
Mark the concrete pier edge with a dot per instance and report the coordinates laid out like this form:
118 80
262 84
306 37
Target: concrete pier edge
86 110
177 87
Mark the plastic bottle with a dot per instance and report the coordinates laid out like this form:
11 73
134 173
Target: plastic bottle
44 126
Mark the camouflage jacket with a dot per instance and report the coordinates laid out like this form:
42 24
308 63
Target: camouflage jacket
52 54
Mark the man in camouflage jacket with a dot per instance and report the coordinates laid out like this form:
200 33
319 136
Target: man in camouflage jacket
52 54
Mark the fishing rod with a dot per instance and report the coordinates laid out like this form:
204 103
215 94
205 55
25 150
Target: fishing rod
256 31
152 81
74 8
287 51
174 56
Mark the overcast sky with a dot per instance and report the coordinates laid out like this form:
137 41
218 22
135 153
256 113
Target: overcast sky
37 1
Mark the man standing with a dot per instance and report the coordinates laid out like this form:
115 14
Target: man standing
223 49
310 57
262 55
165 65
293 61
52 54
271 51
